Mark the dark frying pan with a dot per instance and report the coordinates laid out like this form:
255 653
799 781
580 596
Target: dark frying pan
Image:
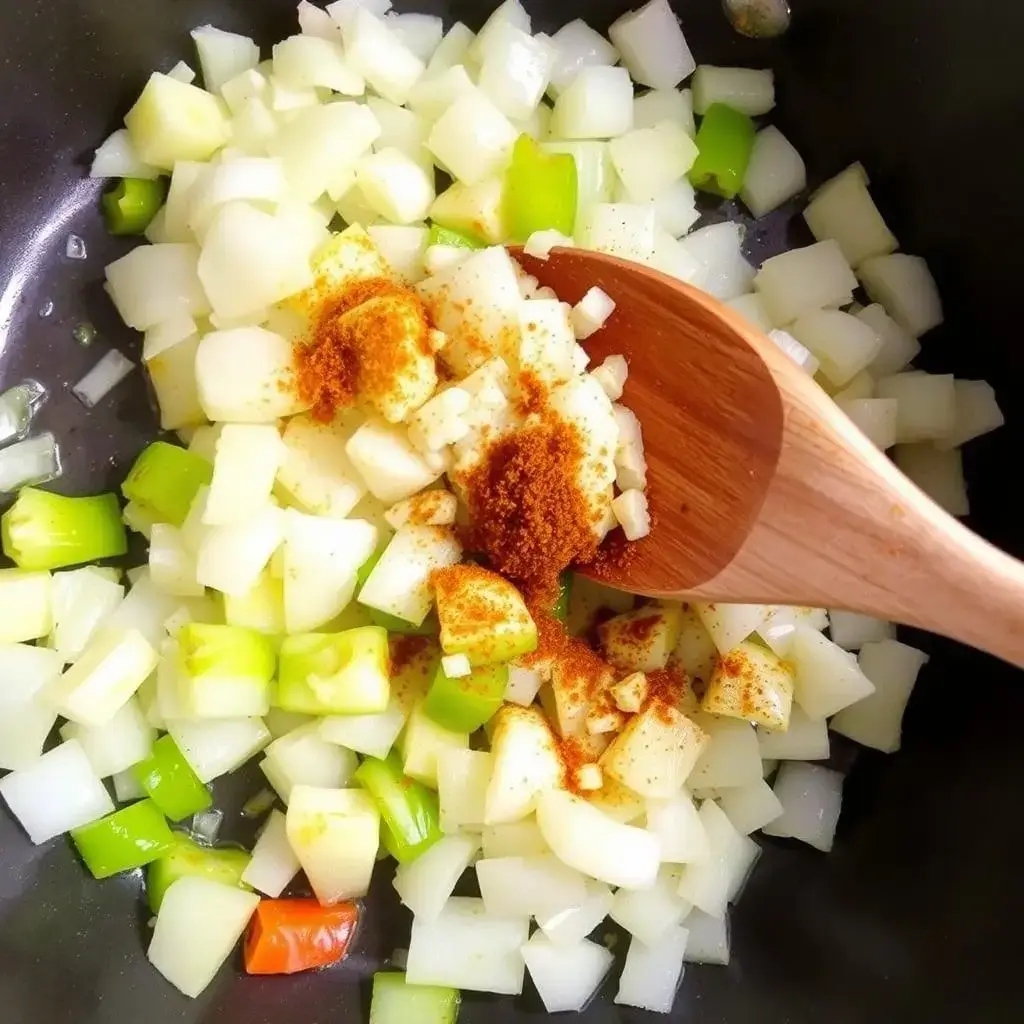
916 914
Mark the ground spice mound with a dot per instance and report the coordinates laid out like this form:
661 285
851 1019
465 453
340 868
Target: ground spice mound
528 514
359 346
533 394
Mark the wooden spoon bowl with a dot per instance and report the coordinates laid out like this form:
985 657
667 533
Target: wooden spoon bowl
762 490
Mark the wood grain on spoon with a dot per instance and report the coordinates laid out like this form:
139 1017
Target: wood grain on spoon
761 489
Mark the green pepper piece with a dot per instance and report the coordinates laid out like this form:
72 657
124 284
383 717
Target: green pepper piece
363 573
456 239
393 624
164 481
465 703
408 808
168 780
124 840
185 858
561 609
395 1001
540 191
130 207
725 140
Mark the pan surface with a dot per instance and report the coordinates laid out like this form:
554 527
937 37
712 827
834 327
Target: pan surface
916 914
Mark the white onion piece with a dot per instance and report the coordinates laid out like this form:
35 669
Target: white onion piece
843 344
876 419
379 55
977 413
156 282
851 630
316 472
597 104
126 787
675 208
102 378
744 89
649 160
526 886
679 830
396 186
514 839
573 922
861 386
811 797
403 248
425 884
419 33
620 229
223 55
731 758
25 719
432 96
304 758
709 939
259 179
673 258
940 474
718 248
29 462
926 409
775 174
877 721
215 747
566 977
145 609
315 21
117 158
273 864
800 354
56 793
472 138
652 45
342 11
712 882
453 49
467 948
648 914
827 677
585 838
516 70
196 929
750 807
301 62
905 286
523 685
803 280
231 558
281 722
373 735
462 779
779 630
665 105
116 745
844 210
806 739
540 243
591 313
651 977
730 624
577 46
898 347
172 566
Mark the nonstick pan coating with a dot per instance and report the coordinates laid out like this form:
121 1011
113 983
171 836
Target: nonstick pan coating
916 914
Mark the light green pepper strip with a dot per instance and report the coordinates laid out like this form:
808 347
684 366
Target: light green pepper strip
164 481
465 703
130 207
168 780
395 1001
122 841
453 238
408 808
561 609
725 140
540 191
186 858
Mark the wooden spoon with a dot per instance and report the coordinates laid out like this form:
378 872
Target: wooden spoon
762 491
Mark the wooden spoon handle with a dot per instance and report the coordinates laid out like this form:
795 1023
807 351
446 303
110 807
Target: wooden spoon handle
843 527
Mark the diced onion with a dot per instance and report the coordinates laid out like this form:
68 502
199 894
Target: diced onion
648 914
577 46
273 864
811 797
597 104
25 718
806 739
718 248
926 404
117 158
750 807
652 45
566 977
851 630
28 463
977 413
651 975
102 378
744 89
775 174
905 287
709 939
803 280
425 884
215 747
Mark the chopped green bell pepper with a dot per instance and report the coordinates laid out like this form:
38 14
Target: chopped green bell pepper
453 238
130 207
363 573
725 140
393 624
186 858
465 703
541 191
49 531
561 609
408 808
164 481
168 780
395 1001
127 839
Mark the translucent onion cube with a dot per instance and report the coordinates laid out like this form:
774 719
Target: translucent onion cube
462 780
926 408
273 864
940 474
728 624
473 138
425 884
806 739
215 747
803 280
26 719
173 376
620 229
403 248
652 45
718 249
511 12
56 793
467 948
709 939
843 209
876 418
528 886
843 344
373 735
375 51
648 914
747 90
230 558
516 70
775 174
303 61
712 882
811 797
664 105
566 977
571 923
223 55
649 160
977 412
577 46
851 630
827 677
244 468
396 186
514 839
750 807
421 33
876 721
597 104
156 282
651 976
679 830
199 923
731 757
116 745
453 49
315 470
905 287
898 347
